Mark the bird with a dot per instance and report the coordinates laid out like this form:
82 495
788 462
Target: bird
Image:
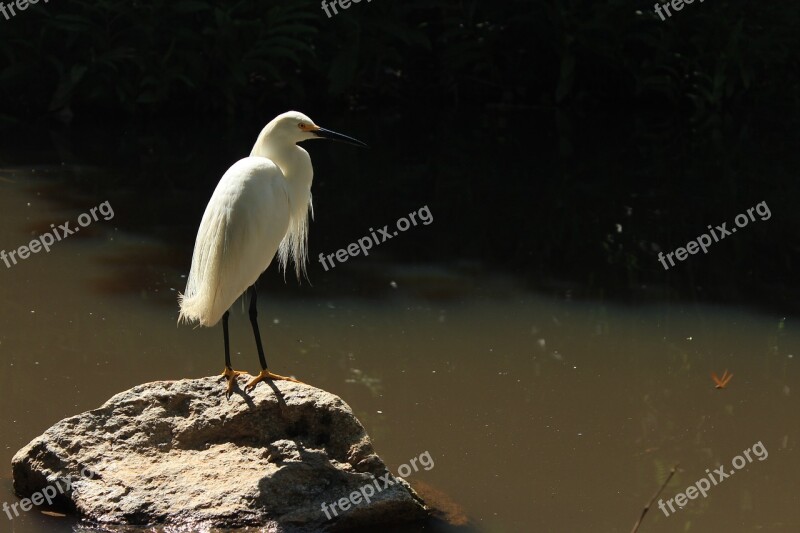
258 210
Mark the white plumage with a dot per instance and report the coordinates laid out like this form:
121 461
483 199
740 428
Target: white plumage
259 208
243 226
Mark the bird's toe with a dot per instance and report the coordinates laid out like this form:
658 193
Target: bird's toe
230 375
266 374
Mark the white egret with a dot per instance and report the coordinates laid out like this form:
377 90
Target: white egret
260 207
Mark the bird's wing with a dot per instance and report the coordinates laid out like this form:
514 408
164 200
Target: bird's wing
242 227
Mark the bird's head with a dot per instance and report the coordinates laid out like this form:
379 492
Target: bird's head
295 127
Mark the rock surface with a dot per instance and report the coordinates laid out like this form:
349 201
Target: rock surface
179 452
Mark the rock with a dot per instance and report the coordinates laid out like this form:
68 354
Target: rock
179 452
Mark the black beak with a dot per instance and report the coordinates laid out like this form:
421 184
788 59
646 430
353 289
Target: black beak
333 136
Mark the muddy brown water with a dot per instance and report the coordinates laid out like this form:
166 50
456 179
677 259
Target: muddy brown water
540 413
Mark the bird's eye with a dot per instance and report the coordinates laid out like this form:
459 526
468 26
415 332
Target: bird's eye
300 125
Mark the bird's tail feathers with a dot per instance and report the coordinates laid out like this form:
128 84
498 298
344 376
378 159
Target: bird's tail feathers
198 302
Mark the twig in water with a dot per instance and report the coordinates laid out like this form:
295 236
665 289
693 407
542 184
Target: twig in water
647 507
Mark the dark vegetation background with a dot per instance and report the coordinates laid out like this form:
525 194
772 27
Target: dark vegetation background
562 142
231 59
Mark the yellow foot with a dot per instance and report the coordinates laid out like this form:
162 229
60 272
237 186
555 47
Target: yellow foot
266 374
231 376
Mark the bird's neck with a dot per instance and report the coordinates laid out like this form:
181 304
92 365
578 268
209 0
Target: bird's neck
295 164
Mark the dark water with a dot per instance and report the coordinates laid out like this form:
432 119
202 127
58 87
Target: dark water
527 338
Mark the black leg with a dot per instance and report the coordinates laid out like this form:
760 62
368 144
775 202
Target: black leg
229 373
254 322
264 374
227 339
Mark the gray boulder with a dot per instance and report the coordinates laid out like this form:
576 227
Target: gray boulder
179 452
